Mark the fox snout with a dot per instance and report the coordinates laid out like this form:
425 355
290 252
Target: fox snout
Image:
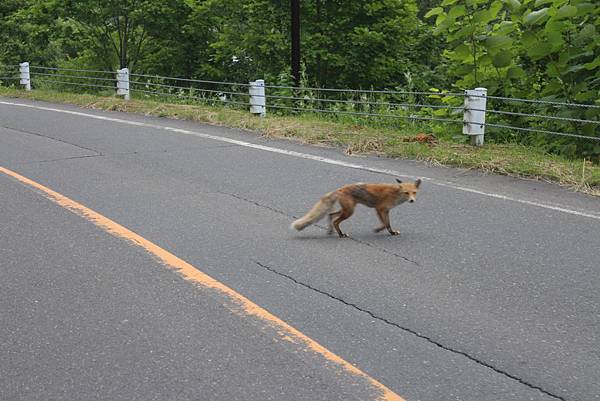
408 191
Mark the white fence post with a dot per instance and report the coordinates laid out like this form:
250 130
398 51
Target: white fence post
258 101
123 83
24 74
474 117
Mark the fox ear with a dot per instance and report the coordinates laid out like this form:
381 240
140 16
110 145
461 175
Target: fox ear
398 181
418 183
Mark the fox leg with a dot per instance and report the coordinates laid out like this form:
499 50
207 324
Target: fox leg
384 216
347 211
382 219
331 217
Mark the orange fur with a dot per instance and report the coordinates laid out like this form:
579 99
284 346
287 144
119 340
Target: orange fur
381 197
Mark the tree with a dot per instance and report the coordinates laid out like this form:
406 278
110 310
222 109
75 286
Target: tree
30 31
123 25
544 47
529 49
367 43
240 40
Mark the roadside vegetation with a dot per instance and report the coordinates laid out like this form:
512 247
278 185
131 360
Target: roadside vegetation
544 50
432 144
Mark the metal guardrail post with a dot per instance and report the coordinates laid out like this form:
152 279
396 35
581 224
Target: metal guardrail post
474 115
123 83
258 101
24 75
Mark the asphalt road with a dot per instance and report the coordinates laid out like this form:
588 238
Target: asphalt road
489 293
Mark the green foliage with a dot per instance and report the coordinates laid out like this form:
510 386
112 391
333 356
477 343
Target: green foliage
492 44
30 31
535 49
368 44
529 49
239 40
344 43
122 25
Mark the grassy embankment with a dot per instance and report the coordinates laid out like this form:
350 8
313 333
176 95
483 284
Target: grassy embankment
448 150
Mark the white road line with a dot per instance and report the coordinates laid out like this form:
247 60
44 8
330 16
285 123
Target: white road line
315 158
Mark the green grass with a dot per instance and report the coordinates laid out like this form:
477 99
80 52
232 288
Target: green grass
450 150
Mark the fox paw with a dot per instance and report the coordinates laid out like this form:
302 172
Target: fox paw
395 232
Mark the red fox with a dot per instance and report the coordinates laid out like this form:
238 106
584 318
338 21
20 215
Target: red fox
382 197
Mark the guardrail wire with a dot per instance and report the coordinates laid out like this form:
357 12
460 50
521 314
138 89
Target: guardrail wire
530 116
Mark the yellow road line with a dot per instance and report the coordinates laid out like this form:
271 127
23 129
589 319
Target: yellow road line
240 304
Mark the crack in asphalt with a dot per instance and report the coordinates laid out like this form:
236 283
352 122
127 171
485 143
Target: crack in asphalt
97 152
52 138
254 203
88 156
409 330
383 250
291 278
63 158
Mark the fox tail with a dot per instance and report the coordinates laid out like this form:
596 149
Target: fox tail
318 211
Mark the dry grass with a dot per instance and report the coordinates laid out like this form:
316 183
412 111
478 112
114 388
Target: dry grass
506 159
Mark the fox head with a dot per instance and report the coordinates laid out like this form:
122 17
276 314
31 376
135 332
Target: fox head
409 189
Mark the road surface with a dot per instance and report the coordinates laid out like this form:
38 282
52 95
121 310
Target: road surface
489 293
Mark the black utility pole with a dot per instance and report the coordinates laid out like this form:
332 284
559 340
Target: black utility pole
296 41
